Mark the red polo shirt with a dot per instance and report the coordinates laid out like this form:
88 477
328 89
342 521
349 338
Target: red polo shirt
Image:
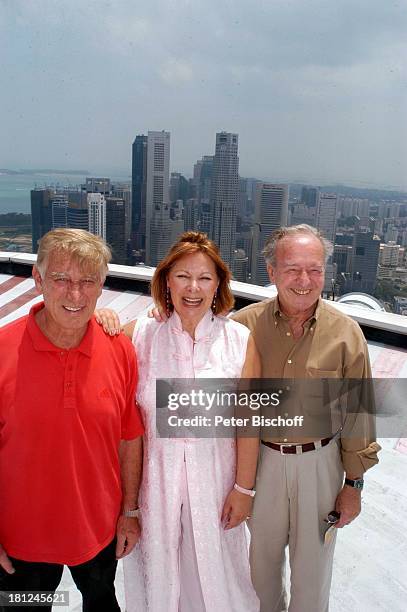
62 416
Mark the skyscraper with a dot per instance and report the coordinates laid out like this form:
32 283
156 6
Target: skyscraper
271 211
138 192
365 259
116 228
150 190
202 181
97 214
41 214
326 215
309 196
157 188
225 194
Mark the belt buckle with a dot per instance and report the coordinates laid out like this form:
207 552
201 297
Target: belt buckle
283 446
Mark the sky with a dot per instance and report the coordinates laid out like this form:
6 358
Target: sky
315 89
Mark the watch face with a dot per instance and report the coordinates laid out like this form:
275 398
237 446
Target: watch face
358 484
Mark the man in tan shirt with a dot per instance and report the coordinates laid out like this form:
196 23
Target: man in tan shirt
300 481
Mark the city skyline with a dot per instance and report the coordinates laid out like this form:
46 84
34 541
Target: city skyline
323 83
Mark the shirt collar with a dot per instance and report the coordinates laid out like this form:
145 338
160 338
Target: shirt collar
278 314
203 329
41 342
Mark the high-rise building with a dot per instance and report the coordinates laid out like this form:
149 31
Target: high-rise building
150 190
366 247
191 214
179 187
123 191
270 213
41 214
116 228
225 194
59 205
97 214
139 192
310 196
202 181
97 185
326 215
77 217
163 232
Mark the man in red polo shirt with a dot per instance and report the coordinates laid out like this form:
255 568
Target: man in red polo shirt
70 432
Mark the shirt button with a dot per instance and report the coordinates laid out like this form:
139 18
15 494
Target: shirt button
311 329
285 439
288 334
289 361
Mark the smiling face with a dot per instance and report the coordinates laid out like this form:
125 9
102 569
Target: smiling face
192 282
298 273
70 294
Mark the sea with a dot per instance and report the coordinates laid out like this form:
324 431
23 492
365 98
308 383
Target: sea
15 188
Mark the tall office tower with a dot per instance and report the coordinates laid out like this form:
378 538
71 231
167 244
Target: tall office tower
59 205
116 228
225 194
77 217
391 234
41 214
366 248
241 264
342 257
326 215
123 191
163 232
202 181
242 209
157 189
97 214
302 214
325 221
191 215
179 187
309 196
139 193
97 185
270 213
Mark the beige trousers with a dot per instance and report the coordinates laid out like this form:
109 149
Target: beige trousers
294 494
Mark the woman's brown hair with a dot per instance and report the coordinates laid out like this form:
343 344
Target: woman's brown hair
190 243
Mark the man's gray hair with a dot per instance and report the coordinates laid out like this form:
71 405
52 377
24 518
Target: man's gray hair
269 250
90 252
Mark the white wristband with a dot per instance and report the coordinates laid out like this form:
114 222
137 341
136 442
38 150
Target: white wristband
250 492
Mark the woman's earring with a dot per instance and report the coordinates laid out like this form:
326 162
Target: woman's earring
168 303
213 306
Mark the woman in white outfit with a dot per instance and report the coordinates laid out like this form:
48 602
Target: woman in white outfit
195 493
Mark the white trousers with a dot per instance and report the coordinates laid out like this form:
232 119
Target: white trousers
191 597
294 495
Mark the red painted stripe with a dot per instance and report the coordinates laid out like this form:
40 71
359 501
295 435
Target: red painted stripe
18 302
12 282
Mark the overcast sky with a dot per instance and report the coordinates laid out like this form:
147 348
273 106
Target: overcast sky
316 89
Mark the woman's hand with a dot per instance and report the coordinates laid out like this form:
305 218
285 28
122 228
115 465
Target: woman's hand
109 320
236 509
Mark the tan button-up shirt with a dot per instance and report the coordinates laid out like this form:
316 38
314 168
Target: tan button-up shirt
332 346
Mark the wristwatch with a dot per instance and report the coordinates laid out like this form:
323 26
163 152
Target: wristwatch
356 484
132 513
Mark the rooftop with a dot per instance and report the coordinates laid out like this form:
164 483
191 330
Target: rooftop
370 571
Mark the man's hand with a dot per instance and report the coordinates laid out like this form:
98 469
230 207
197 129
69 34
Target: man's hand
157 314
5 562
348 503
109 320
237 508
128 534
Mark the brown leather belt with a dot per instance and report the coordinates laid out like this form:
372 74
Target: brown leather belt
297 449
